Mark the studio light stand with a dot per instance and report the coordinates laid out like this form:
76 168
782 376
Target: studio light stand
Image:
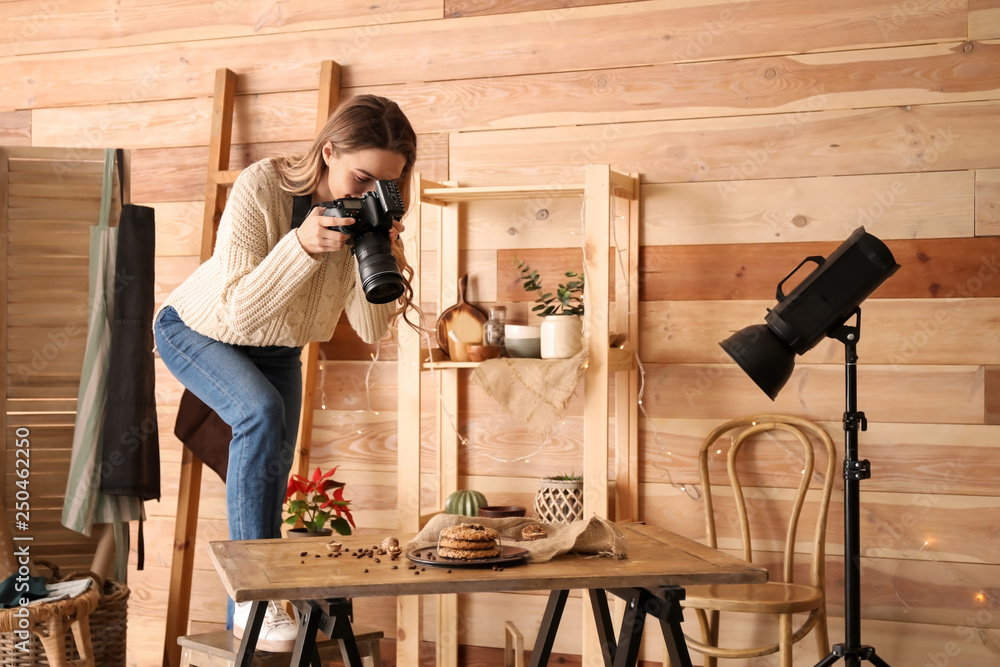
855 470
820 307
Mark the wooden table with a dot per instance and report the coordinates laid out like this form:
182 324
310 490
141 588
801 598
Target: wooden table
651 580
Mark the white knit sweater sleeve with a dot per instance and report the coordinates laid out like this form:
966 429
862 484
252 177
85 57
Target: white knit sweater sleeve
369 320
259 280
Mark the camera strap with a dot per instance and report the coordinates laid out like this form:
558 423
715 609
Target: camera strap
301 205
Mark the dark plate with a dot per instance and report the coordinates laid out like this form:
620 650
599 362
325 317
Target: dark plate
508 556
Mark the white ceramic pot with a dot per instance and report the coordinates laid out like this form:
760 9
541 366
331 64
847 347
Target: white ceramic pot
562 336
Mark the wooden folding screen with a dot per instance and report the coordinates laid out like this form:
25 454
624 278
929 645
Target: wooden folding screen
49 200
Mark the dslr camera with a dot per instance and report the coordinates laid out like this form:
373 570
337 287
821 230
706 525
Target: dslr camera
373 216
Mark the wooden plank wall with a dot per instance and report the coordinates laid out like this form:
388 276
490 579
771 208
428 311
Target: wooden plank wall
765 131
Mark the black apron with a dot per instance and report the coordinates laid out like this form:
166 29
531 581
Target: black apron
130 444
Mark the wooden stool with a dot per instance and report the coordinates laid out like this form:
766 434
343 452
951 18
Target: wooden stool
513 649
219 649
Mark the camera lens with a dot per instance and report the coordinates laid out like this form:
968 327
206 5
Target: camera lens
379 272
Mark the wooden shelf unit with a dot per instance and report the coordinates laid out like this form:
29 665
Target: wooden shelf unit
620 358
605 314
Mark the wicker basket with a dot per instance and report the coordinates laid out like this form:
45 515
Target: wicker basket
108 626
559 501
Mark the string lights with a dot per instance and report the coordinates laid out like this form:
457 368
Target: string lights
346 417
691 490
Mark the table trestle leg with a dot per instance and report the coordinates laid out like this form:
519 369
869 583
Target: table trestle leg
305 653
250 633
547 631
331 616
633 621
664 605
336 624
671 616
605 628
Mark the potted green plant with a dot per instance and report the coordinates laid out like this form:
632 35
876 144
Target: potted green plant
561 312
318 504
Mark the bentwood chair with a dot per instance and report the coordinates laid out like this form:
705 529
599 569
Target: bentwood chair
769 459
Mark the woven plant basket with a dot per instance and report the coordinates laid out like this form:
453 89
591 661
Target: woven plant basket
559 501
108 626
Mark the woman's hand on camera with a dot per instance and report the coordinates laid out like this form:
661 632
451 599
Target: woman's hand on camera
315 238
397 229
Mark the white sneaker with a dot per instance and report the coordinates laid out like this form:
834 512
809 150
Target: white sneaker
277 632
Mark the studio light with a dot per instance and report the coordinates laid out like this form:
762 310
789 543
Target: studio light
820 307
820 304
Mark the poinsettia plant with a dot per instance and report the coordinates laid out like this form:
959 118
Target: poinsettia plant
317 502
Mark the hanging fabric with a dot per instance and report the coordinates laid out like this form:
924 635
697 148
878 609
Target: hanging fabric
130 452
85 505
130 443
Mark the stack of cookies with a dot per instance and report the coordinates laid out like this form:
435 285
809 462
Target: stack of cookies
468 541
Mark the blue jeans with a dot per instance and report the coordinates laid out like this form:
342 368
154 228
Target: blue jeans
258 392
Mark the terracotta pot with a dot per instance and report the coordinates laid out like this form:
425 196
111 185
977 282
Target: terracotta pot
302 532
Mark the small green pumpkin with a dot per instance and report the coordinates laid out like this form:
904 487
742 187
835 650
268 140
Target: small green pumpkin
466 503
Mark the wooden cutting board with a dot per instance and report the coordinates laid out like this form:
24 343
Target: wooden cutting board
463 318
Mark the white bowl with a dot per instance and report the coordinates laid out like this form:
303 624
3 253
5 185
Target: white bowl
521 331
524 348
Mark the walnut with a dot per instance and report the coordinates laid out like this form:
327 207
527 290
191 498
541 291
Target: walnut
391 545
534 532
333 546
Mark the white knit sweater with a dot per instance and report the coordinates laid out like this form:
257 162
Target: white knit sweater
260 287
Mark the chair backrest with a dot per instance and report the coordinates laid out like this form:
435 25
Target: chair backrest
811 437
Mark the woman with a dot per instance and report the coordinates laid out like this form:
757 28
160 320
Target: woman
232 332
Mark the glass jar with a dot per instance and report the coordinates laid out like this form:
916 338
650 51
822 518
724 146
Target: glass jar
493 329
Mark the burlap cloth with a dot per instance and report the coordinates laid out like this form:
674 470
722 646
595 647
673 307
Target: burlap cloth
593 537
535 392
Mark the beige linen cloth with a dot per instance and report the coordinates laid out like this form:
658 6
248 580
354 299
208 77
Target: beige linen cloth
594 537
535 392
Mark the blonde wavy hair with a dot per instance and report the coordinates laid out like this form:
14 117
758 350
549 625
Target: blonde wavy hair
362 122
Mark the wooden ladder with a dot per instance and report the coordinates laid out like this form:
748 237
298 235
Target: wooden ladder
220 178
